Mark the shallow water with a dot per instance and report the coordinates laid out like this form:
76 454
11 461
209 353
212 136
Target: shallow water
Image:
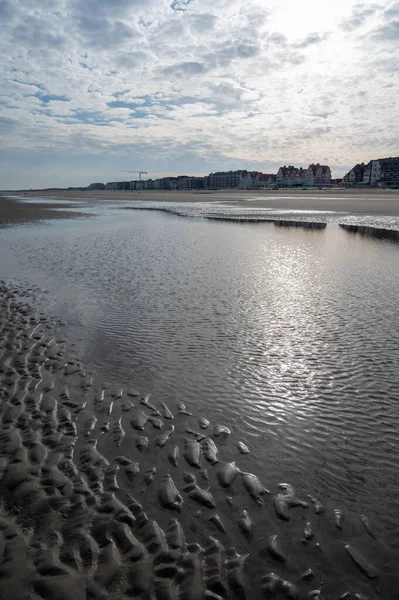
288 335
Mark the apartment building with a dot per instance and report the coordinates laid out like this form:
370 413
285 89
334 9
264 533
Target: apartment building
356 175
291 176
383 172
224 180
318 175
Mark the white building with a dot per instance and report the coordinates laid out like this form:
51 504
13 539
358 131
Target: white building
372 173
291 176
317 175
356 175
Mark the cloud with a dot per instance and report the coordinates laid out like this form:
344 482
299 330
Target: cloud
387 33
8 124
224 78
185 68
392 12
311 40
361 13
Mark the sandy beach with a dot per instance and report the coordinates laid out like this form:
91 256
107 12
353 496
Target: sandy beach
107 493
355 201
13 212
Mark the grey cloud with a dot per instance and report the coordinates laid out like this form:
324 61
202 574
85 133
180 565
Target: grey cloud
110 9
387 65
225 53
201 23
277 38
321 115
315 132
360 14
387 33
8 124
226 94
310 40
290 58
393 11
103 33
35 32
130 60
7 11
185 68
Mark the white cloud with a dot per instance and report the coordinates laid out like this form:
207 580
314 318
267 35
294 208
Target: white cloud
295 82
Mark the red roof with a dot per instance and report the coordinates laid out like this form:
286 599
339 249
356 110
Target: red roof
314 168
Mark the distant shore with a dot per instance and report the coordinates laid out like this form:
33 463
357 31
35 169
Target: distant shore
348 201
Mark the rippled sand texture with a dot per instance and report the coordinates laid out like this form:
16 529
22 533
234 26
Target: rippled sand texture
105 494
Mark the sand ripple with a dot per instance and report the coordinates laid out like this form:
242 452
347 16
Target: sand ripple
87 512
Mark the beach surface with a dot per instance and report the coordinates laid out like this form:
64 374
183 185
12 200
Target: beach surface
13 212
355 201
107 492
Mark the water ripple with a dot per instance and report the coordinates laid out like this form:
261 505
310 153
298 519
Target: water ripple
288 335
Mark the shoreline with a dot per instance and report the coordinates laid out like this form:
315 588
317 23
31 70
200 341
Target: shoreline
15 213
357 202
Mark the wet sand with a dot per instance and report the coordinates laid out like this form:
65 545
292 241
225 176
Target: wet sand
108 493
13 212
354 201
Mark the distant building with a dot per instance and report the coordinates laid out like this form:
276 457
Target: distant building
165 183
96 186
356 175
254 180
185 182
118 185
269 180
372 173
389 171
139 184
383 172
291 177
317 175
224 180
248 180
111 185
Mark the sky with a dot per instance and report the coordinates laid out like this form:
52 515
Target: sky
91 88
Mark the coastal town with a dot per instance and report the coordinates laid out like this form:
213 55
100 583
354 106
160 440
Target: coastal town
381 172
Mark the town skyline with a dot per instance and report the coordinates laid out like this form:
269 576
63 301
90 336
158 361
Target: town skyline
382 172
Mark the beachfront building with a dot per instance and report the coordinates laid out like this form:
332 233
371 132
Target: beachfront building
118 185
224 180
181 182
185 182
291 177
356 175
249 180
165 183
318 175
383 172
267 181
388 172
372 173
96 186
